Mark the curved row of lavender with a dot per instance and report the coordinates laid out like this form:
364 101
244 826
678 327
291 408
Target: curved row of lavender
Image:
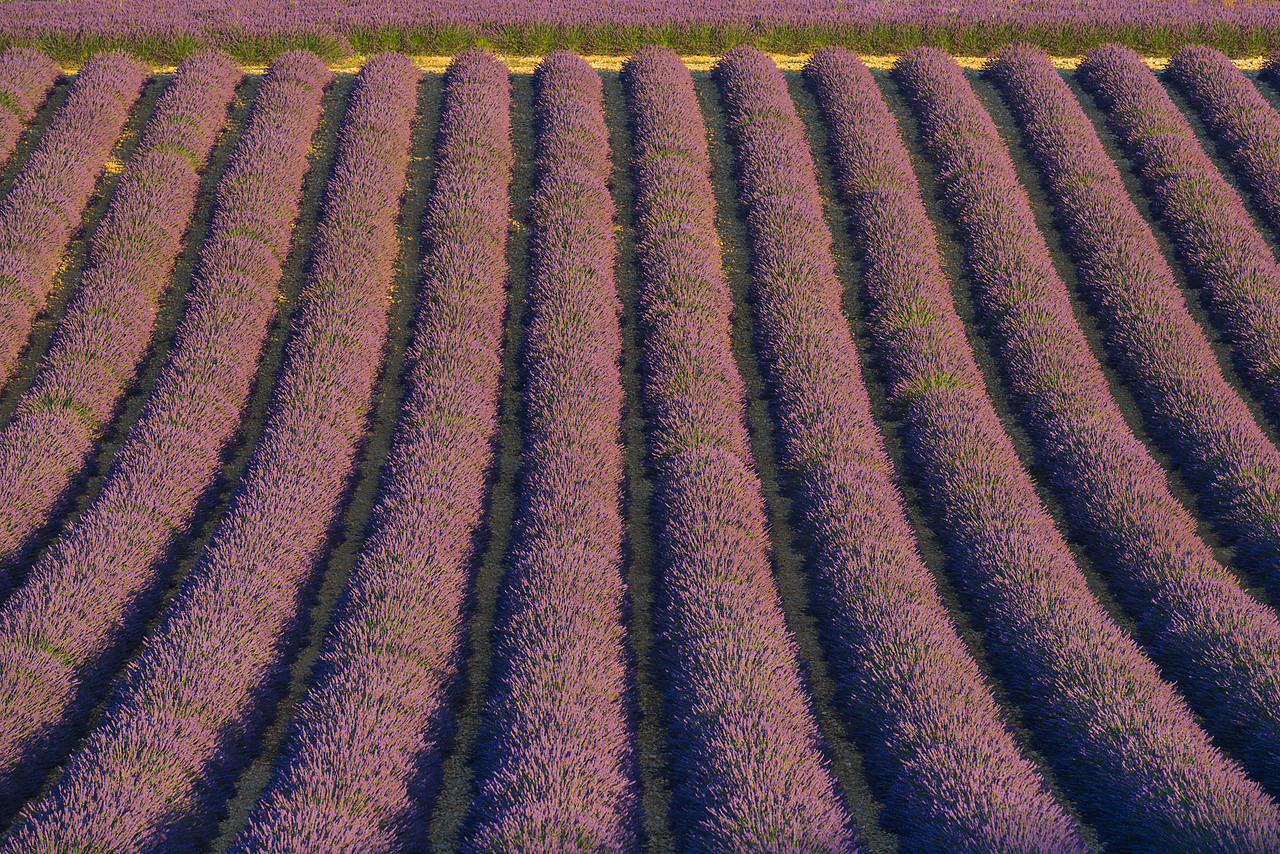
107 328
555 768
1215 236
372 723
89 595
26 78
47 200
937 749
1120 738
1240 119
1221 645
1151 337
749 772
190 708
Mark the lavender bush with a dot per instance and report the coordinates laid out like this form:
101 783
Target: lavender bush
555 764
1216 238
1147 330
26 77
1105 719
88 596
372 722
201 688
1221 645
107 327
749 773
47 200
1240 119
937 749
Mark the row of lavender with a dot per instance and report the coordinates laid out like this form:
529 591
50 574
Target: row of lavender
1113 726
92 590
188 711
938 750
1195 620
748 771
44 206
355 771
1221 645
106 330
554 761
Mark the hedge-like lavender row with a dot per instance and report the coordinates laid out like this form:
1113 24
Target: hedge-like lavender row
1147 330
1236 113
555 768
1120 738
937 750
1221 645
107 328
26 76
190 707
47 200
87 597
1215 236
749 770
373 717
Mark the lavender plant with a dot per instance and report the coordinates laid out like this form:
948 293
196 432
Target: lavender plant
937 749
372 723
1240 119
87 597
26 77
555 769
202 686
1151 337
50 191
1221 645
749 774
1106 720
1216 238
107 327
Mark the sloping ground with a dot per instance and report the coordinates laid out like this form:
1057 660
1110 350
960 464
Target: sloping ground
706 733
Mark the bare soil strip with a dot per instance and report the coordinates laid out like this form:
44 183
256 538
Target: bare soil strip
71 265
349 529
1266 88
990 99
190 544
457 773
648 724
788 559
952 255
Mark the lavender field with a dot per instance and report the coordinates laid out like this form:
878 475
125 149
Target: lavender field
729 457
